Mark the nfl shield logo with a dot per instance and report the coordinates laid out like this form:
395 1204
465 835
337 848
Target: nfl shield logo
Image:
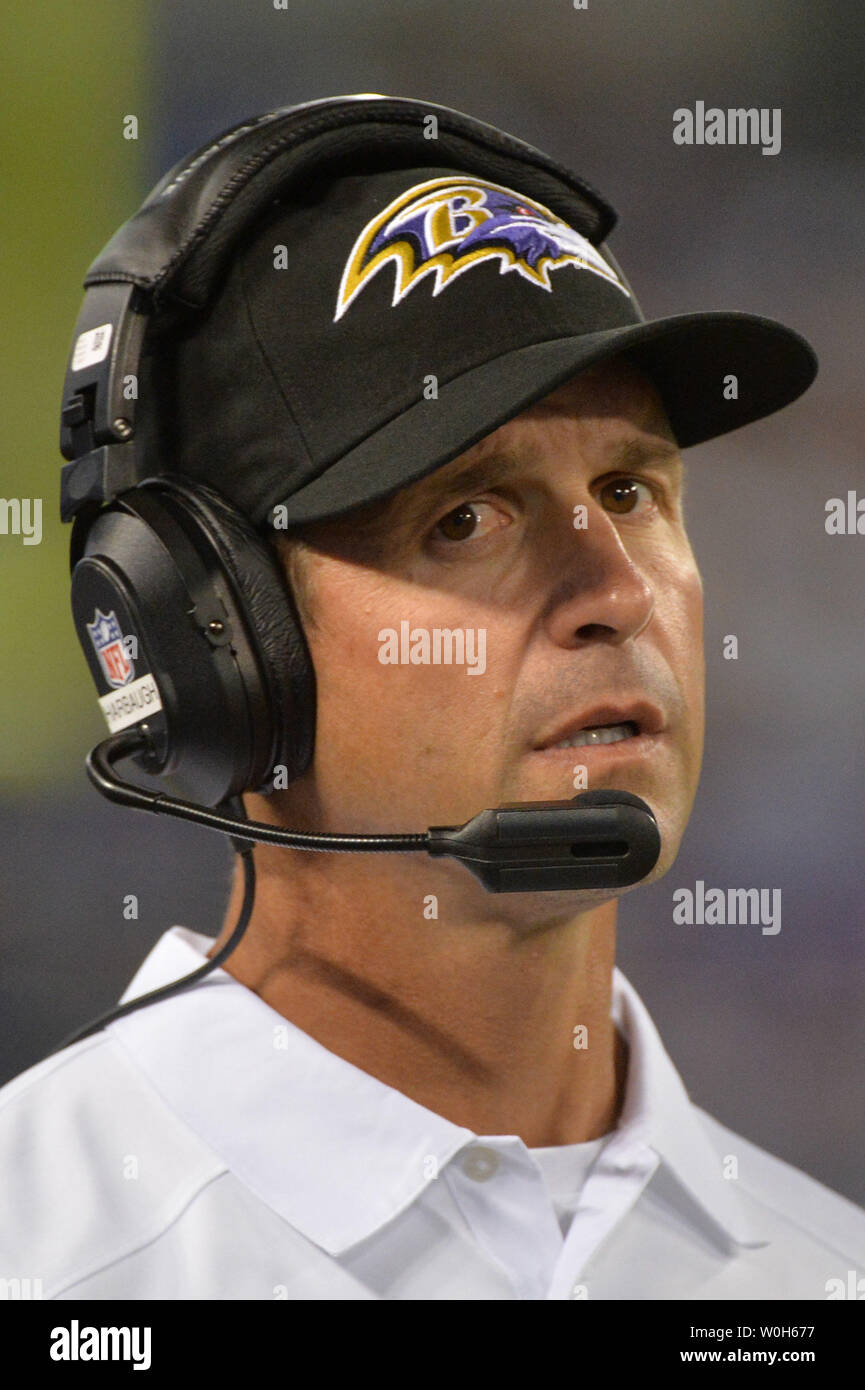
107 641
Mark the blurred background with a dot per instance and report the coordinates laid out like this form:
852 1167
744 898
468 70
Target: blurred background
768 1032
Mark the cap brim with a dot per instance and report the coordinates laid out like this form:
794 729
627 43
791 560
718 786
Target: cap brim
689 357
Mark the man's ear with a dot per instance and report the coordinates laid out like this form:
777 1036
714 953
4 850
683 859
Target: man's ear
292 554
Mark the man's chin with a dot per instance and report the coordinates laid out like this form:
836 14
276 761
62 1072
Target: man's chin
567 903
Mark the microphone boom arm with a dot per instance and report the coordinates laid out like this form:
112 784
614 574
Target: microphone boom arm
599 839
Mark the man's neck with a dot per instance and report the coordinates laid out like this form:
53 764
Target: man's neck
502 1031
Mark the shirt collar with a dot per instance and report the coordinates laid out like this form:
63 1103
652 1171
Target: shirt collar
335 1151
658 1111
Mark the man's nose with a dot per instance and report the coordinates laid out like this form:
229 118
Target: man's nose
600 592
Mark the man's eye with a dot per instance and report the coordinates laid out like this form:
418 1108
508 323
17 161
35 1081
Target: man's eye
468 522
622 495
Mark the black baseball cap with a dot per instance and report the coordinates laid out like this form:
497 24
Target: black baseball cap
392 310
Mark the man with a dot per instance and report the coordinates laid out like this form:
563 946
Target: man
599 628
400 1085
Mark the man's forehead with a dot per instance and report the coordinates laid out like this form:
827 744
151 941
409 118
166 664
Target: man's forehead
615 392
612 390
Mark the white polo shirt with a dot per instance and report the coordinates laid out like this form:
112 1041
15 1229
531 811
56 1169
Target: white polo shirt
206 1148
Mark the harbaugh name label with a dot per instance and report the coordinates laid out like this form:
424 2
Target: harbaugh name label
135 701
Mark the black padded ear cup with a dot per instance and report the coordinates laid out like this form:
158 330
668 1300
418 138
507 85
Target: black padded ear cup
273 622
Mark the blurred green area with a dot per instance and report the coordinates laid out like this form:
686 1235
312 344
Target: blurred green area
72 72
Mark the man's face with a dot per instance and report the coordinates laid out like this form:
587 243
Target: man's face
562 559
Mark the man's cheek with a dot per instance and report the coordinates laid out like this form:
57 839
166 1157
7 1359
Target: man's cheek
691 661
679 594
379 697
692 626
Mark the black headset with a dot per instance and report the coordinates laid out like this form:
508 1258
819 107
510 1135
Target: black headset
180 604
185 573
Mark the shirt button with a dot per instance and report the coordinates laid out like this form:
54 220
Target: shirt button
480 1163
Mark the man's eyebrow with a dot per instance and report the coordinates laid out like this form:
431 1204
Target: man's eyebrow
631 453
405 509
477 475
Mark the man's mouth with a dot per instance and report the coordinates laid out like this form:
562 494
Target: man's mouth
606 723
600 733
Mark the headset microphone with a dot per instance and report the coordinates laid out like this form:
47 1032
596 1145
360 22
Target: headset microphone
600 839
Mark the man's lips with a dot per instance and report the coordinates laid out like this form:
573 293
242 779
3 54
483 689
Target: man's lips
647 717
597 755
